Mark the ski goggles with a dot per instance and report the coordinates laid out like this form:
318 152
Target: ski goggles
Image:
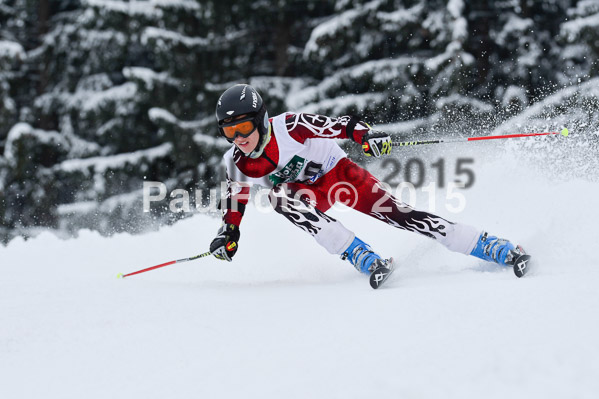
242 129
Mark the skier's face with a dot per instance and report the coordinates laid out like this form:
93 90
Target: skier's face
247 144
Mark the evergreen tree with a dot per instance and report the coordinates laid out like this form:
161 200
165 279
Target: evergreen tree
392 60
12 54
579 36
97 96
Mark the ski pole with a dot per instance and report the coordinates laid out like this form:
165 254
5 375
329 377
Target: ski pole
120 275
563 132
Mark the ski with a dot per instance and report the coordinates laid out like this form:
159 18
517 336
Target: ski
521 263
381 274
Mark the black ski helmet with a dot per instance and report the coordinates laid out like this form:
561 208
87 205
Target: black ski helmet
243 99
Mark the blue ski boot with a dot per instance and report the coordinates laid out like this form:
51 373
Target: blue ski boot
501 251
493 249
366 261
361 256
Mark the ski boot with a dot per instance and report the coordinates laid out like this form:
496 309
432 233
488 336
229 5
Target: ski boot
503 252
366 261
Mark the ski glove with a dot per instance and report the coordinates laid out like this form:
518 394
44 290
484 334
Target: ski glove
225 244
376 144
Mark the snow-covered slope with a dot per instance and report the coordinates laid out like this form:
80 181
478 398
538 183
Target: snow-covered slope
287 320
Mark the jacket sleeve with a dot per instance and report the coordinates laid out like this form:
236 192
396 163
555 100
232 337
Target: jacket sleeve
234 201
308 126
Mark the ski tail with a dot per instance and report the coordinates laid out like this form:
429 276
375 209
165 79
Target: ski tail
521 262
380 274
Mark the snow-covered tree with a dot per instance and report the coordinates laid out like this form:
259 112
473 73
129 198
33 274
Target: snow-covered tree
95 73
389 60
12 54
580 34
97 96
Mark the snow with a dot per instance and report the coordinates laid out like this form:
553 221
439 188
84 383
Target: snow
276 86
460 25
186 5
81 207
514 93
584 7
514 28
8 103
41 136
177 38
11 50
109 205
453 51
97 82
405 127
457 99
455 8
345 104
92 39
131 8
157 114
285 319
579 51
383 72
210 140
86 99
541 110
330 28
91 101
101 164
571 30
400 17
149 76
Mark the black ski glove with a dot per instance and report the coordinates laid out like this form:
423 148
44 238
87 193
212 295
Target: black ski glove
376 144
225 244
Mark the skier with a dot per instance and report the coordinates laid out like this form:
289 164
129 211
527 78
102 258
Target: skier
295 155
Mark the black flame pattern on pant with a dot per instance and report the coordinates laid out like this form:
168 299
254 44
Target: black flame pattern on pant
298 211
407 218
371 199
